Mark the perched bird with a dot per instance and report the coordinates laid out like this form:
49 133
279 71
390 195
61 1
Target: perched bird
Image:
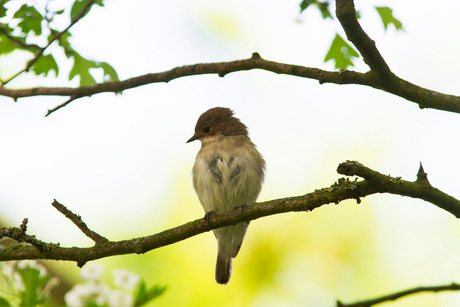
227 174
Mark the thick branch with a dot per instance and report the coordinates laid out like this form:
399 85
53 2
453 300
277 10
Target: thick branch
384 78
394 296
344 189
346 13
423 97
387 184
220 68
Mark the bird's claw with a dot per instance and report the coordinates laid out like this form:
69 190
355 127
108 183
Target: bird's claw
240 208
207 215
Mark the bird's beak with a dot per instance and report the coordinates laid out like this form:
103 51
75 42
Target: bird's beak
193 138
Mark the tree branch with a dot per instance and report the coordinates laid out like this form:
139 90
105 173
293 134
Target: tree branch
423 97
65 103
341 190
379 77
19 235
384 78
76 219
219 68
346 14
29 47
394 296
421 189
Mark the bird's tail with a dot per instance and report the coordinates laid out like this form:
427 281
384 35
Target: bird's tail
229 240
223 266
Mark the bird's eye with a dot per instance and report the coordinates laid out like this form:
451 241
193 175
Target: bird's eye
206 129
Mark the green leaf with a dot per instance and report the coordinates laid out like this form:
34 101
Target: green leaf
144 296
324 9
341 52
63 41
81 67
358 14
22 12
141 291
386 14
31 19
79 5
44 65
305 4
32 280
6 45
109 72
3 13
322 6
4 302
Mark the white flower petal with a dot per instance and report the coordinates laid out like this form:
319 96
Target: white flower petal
8 268
120 298
92 271
125 279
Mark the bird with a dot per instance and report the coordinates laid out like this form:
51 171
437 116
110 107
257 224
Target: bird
228 174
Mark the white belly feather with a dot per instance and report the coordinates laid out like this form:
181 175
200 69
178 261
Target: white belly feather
224 182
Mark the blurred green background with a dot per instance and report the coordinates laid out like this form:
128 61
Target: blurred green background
121 162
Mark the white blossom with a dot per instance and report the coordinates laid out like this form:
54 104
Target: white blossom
18 282
93 291
92 271
8 268
125 279
89 292
120 298
73 298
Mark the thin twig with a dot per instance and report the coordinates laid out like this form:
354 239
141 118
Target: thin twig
50 111
55 37
19 235
18 41
76 219
394 296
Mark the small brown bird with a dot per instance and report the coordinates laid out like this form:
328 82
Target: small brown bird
228 173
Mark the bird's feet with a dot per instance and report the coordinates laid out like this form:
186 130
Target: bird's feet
207 215
240 208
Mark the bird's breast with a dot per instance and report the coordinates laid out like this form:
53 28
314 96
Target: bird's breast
226 179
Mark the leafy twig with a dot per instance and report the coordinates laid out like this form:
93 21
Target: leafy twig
23 44
55 37
346 14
